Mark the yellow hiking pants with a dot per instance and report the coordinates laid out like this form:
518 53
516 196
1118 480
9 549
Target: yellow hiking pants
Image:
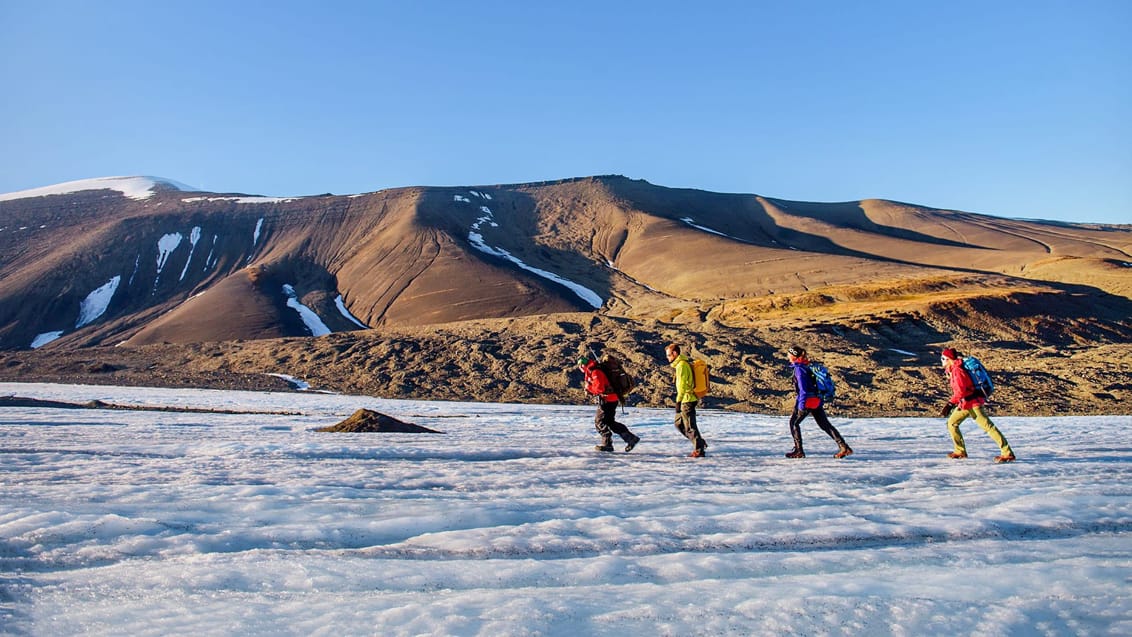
980 417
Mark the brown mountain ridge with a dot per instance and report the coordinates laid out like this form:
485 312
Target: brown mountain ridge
489 293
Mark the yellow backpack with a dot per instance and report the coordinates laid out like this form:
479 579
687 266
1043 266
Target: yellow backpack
701 378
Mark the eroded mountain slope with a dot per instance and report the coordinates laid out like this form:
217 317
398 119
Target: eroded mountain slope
419 256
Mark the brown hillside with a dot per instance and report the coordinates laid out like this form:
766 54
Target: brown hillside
483 292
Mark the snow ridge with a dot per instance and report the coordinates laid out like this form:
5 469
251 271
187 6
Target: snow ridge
133 187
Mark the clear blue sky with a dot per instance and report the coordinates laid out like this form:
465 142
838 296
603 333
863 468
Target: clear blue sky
1017 109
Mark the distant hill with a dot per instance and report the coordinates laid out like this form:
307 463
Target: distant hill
147 265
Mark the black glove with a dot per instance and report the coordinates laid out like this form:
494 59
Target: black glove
945 411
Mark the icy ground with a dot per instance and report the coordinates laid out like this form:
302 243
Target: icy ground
160 523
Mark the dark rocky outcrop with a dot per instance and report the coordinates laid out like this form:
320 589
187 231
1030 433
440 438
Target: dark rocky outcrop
368 421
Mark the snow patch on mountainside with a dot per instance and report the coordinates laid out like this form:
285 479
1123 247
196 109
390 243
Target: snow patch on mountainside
165 247
341 305
244 199
95 303
45 338
312 320
475 237
194 236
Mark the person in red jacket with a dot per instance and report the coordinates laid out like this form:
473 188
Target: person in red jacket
598 386
967 401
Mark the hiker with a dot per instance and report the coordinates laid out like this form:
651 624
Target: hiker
809 402
685 400
967 401
598 386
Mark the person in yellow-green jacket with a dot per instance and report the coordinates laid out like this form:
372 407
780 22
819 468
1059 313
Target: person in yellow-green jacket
686 400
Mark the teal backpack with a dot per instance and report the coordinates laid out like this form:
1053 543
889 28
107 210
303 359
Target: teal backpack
826 388
979 375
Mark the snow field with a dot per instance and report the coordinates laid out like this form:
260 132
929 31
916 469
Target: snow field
147 523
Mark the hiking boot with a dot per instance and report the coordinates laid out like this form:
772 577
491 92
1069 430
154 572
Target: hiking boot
957 455
631 442
797 453
603 448
845 451
698 453
1002 459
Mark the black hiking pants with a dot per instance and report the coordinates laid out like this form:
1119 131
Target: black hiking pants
799 415
606 423
686 424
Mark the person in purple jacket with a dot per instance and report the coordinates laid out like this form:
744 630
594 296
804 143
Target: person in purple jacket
809 402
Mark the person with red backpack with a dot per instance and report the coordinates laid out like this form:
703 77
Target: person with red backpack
809 402
967 400
597 385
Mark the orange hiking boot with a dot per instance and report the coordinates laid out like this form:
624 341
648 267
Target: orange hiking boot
1002 459
956 455
698 453
845 451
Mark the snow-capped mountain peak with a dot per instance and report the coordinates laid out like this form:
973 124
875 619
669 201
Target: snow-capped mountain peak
140 187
